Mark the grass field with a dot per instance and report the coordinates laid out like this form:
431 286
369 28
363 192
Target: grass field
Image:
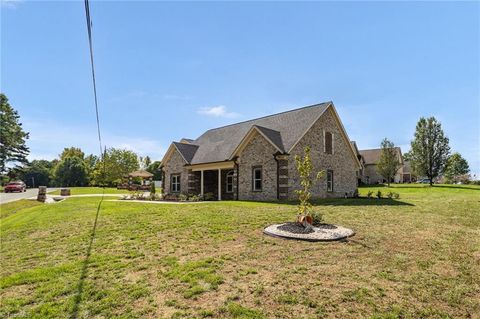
92 190
415 257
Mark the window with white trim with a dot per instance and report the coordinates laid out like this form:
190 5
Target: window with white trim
328 142
329 180
175 183
229 182
257 182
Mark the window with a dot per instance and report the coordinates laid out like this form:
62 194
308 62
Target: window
257 179
329 181
328 142
229 185
175 183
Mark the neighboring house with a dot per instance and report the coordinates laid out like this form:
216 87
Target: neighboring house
254 160
370 173
407 173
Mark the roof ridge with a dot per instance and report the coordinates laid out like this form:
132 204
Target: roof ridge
266 116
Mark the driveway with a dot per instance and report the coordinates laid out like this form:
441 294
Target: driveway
11 197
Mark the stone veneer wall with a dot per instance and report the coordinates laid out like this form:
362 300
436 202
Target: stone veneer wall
175 165
341 161
259 152
282 177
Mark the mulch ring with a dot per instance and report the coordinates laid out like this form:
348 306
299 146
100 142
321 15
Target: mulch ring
322 232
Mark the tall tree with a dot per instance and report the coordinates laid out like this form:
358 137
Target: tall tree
389 162
154 168
117 163
456 166
71 171
430 148
90 163
12 135
72 152
37 173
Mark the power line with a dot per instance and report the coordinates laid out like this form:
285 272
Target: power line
90 42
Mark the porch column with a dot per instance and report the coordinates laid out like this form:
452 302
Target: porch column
201 182
219 184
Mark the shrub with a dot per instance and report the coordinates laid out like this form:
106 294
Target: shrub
379 194
369 194
152 188
317 218
208 196
194 198
389 195
183 197
396 195
355 193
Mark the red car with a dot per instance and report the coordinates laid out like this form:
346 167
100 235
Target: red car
15 187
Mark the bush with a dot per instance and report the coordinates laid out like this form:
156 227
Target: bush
390 195
355 193
369 194
152 188
317 218
183 197
396 195
208 196
379 194
194 198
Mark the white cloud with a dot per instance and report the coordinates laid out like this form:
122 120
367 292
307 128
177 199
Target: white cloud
10 3
217 111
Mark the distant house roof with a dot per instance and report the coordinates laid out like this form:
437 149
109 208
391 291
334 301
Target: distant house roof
141 173
283 130
372 156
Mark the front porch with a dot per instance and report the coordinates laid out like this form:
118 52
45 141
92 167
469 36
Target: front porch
218 183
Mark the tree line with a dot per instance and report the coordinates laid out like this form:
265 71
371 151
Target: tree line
72 167
429 155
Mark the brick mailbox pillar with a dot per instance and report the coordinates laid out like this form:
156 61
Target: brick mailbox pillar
42 194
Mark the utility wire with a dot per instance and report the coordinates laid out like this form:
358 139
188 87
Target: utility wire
90 42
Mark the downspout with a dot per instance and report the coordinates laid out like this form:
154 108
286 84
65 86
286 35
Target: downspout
238 174
278 176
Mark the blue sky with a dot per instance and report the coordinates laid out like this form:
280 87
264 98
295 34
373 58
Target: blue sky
172 70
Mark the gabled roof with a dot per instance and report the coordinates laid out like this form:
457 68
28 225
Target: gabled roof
140 173
372 156
218 144
283 130
186 150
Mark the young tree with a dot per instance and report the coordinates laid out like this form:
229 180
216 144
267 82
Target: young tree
305 170
71 171
389 163
12 135
456 166
430 148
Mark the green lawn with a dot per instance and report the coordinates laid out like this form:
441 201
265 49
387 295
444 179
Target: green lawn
92 190
415 257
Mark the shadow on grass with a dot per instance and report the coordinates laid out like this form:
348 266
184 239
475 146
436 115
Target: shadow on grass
83 275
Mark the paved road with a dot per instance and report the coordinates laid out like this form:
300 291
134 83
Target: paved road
11 197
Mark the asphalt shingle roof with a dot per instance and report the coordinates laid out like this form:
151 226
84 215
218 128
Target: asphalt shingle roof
283 129
373 156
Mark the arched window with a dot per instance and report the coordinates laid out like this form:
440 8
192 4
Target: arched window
229 182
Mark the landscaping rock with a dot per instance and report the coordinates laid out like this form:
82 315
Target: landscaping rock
323 232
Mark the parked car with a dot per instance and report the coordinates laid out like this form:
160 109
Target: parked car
17 186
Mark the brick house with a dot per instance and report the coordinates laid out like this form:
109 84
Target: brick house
254 160
370 159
